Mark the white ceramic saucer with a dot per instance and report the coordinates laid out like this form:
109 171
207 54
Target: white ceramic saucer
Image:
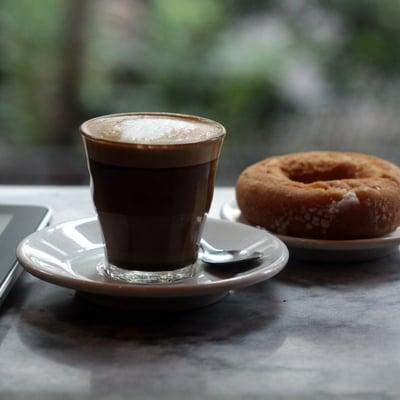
70 254
327 250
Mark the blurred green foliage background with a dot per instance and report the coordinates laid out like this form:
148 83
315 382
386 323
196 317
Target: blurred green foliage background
280 75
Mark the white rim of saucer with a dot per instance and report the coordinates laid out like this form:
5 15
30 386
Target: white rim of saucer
231 212
180 289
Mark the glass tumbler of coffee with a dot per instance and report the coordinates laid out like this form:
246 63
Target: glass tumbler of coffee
152 180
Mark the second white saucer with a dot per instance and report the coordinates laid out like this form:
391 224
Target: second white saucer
327 250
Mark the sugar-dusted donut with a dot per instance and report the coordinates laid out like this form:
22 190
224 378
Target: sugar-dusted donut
326 195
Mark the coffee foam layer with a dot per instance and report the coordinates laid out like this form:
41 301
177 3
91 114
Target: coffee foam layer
152 129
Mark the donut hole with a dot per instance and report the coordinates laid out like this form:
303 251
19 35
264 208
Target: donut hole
321 173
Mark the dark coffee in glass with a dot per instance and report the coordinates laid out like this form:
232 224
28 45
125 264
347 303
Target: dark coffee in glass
152 178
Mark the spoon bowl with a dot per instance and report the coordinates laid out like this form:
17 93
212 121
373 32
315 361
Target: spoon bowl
211 255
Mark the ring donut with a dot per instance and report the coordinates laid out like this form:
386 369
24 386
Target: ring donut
325 195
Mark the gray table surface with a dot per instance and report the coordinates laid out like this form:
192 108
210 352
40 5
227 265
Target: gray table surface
312 332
